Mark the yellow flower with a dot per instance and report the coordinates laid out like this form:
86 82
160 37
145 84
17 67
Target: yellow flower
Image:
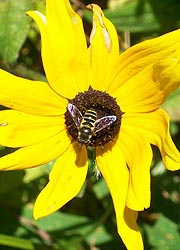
127 89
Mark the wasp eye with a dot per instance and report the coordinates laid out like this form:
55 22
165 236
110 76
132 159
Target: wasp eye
93 105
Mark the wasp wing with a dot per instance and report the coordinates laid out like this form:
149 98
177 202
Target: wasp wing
75 114
104 122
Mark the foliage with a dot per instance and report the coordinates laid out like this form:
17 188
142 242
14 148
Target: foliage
88 221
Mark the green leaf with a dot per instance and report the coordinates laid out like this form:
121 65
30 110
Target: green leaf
99 236
6 240
63 221
164 234
133 18
14 27
100 189
35 173
9 181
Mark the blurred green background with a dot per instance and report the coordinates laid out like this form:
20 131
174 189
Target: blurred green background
88 221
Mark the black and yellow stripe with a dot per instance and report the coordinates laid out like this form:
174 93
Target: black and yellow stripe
89 118
87 126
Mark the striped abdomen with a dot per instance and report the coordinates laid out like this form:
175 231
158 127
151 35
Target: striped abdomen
87 126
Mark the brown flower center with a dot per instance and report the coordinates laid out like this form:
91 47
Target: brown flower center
93 118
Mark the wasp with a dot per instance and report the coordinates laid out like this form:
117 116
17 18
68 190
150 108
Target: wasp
88 124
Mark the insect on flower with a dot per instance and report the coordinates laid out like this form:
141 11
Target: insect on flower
88 125
114 111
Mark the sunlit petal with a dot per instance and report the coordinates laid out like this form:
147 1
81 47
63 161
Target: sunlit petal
66 179
29 96
36 154
145 54
64 49
140 93
18 129
104 48
115 172
147 90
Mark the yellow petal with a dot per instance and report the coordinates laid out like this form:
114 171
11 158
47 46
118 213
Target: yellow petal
170 154
104 48
64 49
139 93
143 55
18 129
29 96
166 74
114 170
155 128
36 154
147 90
66 179
138 155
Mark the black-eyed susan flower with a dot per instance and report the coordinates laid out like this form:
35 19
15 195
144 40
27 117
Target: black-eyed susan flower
94 99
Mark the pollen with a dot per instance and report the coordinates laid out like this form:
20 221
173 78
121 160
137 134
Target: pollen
102 127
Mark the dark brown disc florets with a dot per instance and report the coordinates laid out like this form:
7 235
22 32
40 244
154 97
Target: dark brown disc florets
104 105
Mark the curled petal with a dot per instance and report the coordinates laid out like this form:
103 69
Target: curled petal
166 74
114 170
103 50
170 154
33 97
143 55
148 89
66 179
155 128
138 155
140 93
36 154
64 49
